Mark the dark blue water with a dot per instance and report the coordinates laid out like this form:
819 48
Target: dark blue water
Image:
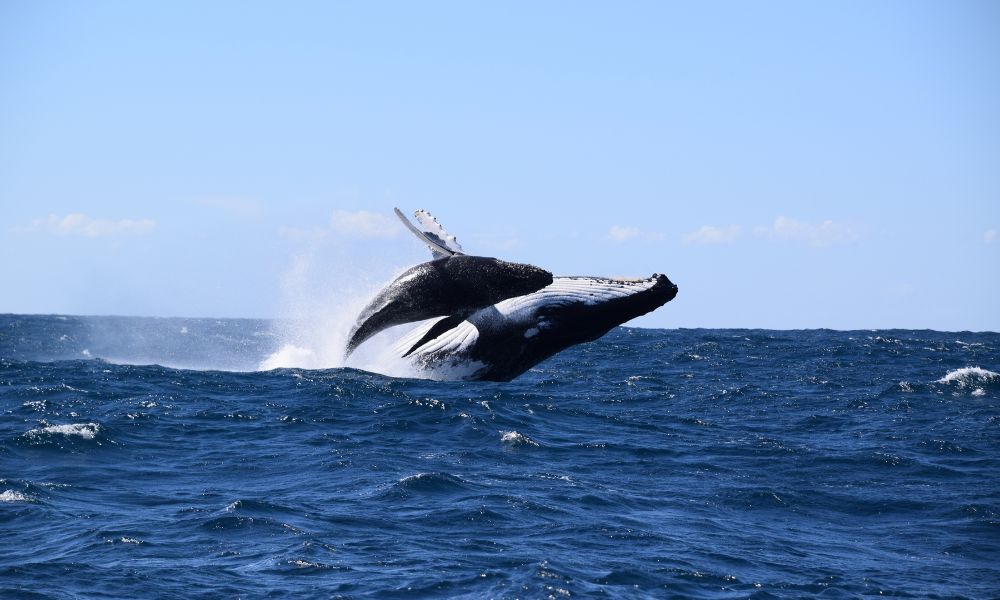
649 464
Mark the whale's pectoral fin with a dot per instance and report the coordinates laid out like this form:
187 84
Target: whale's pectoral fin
440 327
434 230
431 233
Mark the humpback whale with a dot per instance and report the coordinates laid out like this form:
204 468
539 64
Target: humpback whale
493 320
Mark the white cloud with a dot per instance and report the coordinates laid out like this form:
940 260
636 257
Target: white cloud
826 233
80 224
990 237
713 235
622 234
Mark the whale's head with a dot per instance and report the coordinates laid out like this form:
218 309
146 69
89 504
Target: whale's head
579 309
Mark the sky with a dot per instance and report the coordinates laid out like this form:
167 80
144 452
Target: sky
786 164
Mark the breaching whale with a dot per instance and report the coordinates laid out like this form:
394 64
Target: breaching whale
533 316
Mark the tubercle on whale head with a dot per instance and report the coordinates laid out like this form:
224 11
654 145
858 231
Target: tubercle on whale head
662 291
665 286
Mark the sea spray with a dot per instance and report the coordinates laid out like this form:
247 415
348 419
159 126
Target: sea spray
322 299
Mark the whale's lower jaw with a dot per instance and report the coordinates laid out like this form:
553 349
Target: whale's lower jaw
502 341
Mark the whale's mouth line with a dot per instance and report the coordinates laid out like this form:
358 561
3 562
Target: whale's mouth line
613 279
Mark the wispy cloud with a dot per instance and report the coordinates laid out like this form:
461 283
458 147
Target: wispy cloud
827 233
361 224
622 234
713 235
80 224
990 237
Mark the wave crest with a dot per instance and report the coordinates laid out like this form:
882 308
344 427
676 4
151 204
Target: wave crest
14 496
87 431
971 376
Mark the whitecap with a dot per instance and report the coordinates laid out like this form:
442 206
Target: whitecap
969 376
87 431
12 496
515 438
302 564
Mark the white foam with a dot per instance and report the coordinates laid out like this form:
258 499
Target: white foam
304 564
515 438
87 431
289 356
968 376
12 496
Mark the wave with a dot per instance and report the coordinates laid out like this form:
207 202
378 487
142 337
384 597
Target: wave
87 431
14 496
515 438
429 483
971 377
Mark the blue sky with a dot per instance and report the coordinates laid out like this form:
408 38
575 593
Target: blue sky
788 165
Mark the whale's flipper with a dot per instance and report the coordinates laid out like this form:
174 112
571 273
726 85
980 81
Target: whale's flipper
441 244
437 329
435 231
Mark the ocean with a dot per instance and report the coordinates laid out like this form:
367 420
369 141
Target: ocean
151 458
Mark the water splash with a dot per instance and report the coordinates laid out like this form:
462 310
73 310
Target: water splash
322 302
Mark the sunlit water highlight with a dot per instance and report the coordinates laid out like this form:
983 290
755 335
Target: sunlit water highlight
649 464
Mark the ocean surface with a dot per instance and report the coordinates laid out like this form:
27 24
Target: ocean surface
151 458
